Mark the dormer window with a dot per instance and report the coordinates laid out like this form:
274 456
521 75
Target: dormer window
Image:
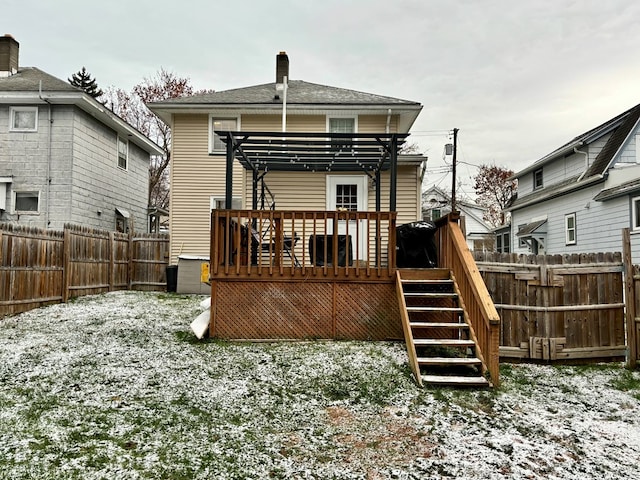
537 179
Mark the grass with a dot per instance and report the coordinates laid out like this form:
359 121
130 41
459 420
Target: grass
116 386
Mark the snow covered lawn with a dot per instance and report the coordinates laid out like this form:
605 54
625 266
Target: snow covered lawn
117 387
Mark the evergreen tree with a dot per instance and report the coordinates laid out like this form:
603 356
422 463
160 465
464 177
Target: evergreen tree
83 80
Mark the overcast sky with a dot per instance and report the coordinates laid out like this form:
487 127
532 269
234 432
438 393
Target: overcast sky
518 78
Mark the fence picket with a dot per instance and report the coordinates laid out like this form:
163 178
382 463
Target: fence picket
39 267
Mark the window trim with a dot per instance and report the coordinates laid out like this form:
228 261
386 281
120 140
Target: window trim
568 230
12 116
535 184
14 197
342 117
211 134
635 214
126 158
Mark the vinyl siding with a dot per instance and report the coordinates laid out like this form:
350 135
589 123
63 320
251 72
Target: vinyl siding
195 176
599 224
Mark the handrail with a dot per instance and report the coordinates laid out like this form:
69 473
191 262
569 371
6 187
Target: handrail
302 244
454 255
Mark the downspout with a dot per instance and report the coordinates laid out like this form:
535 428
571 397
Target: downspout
586 162
388 120
48 184
285 86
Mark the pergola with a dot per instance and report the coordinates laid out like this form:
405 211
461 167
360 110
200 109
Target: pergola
261 152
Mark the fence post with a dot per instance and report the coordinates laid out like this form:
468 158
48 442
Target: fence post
66 264
112 264
630 300
130 257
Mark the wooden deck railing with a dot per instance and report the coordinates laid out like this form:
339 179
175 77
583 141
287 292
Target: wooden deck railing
454 255
302 244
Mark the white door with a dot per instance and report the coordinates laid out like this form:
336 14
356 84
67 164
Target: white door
349 192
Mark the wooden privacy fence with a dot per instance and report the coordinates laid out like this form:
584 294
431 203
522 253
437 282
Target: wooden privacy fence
39 267
557 307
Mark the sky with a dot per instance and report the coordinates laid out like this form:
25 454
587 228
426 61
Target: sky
517 78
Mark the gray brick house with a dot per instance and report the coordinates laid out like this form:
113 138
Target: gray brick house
64 157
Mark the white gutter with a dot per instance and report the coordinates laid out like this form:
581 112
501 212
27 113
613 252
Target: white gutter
568 188
285 86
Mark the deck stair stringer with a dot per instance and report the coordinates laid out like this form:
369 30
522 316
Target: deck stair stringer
441 345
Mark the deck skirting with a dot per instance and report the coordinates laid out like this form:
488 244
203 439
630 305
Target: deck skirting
352 310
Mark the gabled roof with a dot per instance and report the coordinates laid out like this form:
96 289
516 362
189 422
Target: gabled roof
32 86
621 125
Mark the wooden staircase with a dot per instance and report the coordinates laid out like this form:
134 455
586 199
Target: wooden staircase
441 344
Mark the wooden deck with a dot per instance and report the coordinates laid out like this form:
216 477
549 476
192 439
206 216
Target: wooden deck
274 275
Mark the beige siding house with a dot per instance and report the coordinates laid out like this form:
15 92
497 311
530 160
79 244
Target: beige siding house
198 169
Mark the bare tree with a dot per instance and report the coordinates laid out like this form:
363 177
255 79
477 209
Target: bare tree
495 189
131 106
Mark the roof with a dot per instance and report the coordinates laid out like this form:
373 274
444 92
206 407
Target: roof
33 86
620 125
531 228
619 190
301 98
32 79
299 92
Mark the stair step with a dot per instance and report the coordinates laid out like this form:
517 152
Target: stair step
455 380
413 281
442 342
430 295
453 325
435 309
449 361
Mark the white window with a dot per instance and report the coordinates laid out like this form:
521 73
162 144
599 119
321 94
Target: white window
341 125
635 213
537 179
503 245
570 228
522 243
221 125
24 119
26 202
436 213
123 153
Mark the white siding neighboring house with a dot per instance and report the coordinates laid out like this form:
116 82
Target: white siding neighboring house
437 203
578 198
65 158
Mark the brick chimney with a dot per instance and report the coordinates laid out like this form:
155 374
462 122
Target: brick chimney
282 67
9 49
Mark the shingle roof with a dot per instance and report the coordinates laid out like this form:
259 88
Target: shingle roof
602 161
31 79
298 92
620 125
619 190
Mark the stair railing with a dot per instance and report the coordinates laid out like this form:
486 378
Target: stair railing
454 254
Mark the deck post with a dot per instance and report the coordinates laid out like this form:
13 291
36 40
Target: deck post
630 298
228 193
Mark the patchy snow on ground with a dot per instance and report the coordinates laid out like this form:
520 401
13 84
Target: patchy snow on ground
117 387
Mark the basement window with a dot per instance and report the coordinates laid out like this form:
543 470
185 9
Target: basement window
26 202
